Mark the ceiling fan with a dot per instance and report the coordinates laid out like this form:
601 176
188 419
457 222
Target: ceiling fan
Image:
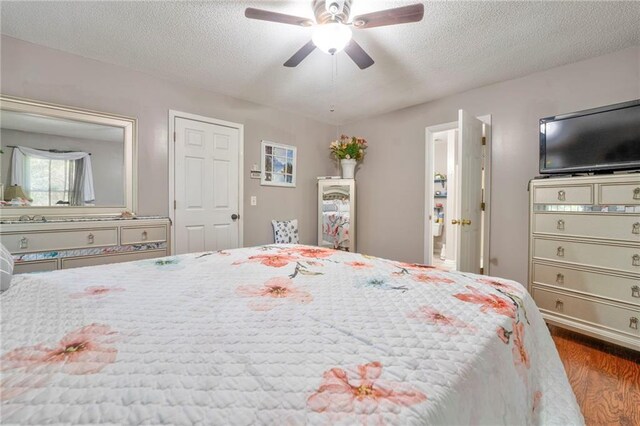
332 29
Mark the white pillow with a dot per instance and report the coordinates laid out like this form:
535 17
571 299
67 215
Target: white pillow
285 231
6 268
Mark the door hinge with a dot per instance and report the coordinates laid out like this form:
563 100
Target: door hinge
481 271
174 137
484 140
482 206
175 204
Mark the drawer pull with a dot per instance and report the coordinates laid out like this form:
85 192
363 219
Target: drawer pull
90 238
635 291
560 252
633 323
636 260
562 196
24 243
560 278
636 194
144 235
636 228
559 305
560 225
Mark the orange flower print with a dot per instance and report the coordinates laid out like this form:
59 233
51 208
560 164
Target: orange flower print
432 279
359 265
432 316
498 284
504 335
84 351
488 302
364 394
414 266
520 354
313 252
273 260
272 293
96 291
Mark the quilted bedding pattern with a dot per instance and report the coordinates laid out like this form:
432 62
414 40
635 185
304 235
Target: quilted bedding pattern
282 335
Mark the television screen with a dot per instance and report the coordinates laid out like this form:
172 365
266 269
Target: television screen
605 138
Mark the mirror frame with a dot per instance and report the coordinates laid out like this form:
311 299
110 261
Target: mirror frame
130 126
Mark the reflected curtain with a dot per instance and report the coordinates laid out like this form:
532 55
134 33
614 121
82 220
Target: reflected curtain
81 189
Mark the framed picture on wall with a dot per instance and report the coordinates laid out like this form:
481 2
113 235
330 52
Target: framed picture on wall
278 164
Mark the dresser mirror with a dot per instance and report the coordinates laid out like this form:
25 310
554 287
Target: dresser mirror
63 161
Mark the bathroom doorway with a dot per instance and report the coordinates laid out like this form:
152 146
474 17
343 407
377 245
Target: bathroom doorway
457 194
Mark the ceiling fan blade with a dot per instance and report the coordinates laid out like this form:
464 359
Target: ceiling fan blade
359 56
300 54
265 15
399 15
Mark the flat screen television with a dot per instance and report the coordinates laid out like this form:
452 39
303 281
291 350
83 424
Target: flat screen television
596 140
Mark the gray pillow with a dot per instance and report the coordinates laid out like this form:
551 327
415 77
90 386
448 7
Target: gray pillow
285 231
6 268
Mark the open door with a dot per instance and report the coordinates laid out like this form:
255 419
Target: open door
468 210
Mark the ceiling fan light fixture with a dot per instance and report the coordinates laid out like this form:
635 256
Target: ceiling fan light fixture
331 38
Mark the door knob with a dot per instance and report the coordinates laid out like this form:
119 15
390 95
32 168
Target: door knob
235 216
455 222
465 222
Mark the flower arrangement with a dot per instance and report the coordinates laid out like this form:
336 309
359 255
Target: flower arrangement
348 148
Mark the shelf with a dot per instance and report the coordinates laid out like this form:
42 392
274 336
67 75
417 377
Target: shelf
439 196
439 180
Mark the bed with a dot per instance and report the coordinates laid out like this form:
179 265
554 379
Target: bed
279 334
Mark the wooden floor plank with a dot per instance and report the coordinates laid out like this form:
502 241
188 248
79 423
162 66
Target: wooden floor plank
605 378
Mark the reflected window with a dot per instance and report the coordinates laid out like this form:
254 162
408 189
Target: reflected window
48 182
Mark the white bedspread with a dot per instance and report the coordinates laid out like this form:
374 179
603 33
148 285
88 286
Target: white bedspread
279 335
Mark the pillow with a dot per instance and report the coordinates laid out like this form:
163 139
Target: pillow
6 268
285 231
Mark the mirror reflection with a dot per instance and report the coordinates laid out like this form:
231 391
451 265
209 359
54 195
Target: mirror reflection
335 217
51 161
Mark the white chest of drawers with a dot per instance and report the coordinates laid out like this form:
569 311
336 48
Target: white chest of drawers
584 255
71 243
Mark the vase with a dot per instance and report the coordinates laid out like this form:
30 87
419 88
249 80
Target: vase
348 168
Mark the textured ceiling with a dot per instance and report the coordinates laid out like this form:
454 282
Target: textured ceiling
458 46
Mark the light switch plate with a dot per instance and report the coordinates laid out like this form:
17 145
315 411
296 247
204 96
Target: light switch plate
254 200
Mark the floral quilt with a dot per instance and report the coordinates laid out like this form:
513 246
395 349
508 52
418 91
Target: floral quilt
276 335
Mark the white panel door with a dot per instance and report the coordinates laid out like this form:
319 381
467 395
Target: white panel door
469 187
206 186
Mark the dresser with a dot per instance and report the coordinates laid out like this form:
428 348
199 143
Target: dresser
73 242
584 269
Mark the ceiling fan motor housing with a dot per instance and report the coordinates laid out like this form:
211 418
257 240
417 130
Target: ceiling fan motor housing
324 11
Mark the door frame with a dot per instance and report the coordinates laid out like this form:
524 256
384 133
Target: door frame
429 188
173 114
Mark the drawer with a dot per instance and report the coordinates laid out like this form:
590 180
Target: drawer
602 315
619 258
35 266
611 227
77 262
143 234
614 287
60 240
577 194
621 193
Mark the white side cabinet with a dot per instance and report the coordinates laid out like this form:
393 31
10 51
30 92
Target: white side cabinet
71 243
337 214
584 270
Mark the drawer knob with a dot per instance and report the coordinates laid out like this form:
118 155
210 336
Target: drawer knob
636 194
633 323
635 291
24 243
560 252
562 196
636 260
635 228
560 225
560 278
90 238
559 305
144 235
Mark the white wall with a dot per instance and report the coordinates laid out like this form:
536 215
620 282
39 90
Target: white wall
391 179
36 72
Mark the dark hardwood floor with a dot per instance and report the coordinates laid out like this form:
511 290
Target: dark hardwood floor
605 378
